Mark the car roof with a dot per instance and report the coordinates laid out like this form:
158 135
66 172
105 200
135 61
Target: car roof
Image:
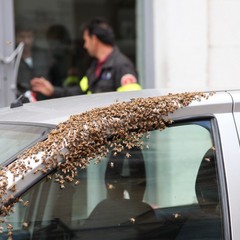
58 110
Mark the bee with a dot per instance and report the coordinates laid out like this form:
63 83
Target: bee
110 186
132 220
176 215
111 164
25 225
9 226
13 188
207 159
213 148
77 182
26 203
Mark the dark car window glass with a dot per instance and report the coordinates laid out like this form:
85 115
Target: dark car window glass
15 137
168 190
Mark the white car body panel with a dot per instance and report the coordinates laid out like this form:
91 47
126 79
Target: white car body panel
57 110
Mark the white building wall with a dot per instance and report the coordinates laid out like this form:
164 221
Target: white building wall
197 44
224 43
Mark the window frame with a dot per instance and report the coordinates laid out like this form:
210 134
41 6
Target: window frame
220 168
222 179
46 127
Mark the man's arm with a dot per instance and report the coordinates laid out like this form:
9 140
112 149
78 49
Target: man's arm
43 86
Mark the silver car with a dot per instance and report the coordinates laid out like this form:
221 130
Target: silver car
172 176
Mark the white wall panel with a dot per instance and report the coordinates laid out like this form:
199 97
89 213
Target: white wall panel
224 44
224 68
180 29
224 22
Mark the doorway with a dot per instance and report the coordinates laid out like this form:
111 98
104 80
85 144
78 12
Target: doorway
63 19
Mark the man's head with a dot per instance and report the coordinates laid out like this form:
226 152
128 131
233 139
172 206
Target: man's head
97 30
25 34
58 38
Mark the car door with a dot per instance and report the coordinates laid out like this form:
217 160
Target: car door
173 187
232 166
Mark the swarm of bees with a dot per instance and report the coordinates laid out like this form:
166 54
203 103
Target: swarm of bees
90 135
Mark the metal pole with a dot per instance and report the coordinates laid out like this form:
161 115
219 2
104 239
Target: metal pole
7 83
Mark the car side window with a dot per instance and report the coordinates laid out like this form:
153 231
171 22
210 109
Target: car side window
169 189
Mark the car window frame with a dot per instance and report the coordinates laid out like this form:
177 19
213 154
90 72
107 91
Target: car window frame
220 168
222 179
48 128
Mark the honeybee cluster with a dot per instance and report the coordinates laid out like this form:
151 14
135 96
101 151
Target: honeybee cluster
90 135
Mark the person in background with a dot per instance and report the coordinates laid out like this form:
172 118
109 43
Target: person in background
60 46
110 69
35 61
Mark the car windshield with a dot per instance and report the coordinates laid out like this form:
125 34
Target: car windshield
16 137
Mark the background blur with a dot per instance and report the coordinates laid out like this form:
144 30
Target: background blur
175 44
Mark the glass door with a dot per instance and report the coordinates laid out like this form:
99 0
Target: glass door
51 32
56 34
56 28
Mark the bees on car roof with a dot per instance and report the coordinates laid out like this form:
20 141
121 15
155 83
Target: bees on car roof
92 134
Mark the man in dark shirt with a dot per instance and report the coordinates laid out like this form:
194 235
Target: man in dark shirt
110 70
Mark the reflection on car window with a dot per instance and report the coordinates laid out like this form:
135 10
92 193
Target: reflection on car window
16 137
168 190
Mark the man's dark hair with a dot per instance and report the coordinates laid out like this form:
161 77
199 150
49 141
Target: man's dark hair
99 27
25 24
59 32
